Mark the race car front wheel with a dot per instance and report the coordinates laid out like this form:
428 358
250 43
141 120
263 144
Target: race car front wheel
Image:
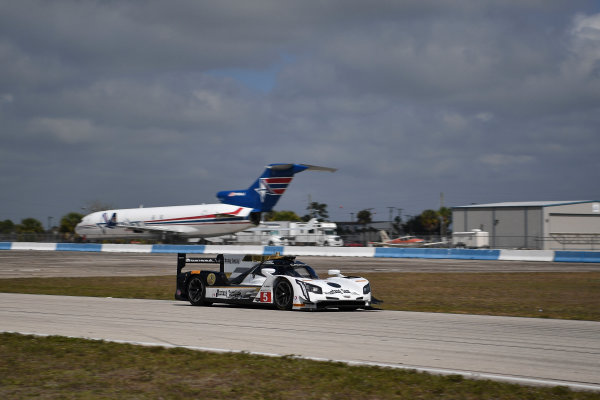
283 295
196 291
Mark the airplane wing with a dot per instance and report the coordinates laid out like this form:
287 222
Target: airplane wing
387 244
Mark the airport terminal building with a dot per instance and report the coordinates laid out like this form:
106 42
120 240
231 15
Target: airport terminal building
540 225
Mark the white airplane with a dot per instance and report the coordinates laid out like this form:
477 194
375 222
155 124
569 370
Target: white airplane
238 210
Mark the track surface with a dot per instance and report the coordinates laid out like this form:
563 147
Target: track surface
15 264
515 349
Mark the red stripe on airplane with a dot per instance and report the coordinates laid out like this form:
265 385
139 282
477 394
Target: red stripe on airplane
236 212
279 180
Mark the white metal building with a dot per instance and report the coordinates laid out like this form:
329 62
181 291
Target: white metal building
543 225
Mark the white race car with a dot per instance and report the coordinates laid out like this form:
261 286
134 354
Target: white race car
282 282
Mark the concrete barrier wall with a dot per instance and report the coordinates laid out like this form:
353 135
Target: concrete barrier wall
329 251
78 247
577 256
379 252
33 246
461 254
526 255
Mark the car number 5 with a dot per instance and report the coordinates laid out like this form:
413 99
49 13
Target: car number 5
265 297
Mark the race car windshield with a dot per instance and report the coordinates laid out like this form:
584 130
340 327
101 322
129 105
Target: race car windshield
298 271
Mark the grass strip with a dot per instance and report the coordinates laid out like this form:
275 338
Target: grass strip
57 368
542 294
573 295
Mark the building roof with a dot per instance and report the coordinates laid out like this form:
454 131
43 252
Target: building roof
527 204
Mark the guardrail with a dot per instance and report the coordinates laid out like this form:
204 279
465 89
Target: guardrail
376 252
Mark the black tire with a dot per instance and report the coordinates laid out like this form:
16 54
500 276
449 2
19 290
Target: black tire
283 295
196 291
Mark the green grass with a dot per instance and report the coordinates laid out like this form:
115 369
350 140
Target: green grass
573 295
61 368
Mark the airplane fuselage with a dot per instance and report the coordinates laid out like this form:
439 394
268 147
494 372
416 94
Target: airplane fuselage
203 220
238 210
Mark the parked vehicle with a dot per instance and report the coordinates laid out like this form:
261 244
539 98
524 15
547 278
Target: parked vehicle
314 233
284 233
474 239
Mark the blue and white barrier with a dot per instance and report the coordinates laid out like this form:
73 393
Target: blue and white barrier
458 254
372 252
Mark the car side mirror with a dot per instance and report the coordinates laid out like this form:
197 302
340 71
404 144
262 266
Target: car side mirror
334 272
268 271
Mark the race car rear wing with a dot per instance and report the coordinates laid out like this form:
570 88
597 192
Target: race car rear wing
182 260
230 264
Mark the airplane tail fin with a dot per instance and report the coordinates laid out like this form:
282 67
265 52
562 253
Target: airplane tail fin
384 236
112 222
266 191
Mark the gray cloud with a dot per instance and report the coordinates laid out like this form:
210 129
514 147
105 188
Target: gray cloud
154 103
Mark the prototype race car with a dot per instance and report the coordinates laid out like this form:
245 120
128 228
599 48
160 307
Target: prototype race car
278 281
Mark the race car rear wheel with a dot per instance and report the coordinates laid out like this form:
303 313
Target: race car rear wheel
196 291
283 294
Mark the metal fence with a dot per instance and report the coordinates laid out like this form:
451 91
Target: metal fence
553 242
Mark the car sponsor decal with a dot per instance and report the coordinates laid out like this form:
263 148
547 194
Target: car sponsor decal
341 291
265 297
211 279
239 293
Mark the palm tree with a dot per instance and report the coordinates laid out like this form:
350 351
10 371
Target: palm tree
430 220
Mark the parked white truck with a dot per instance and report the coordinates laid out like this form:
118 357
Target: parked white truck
474 239
284 233
264 235
314 233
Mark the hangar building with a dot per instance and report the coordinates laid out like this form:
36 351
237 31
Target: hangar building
541 225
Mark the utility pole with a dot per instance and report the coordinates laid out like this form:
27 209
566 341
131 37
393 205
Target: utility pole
400 227
442 226
391 221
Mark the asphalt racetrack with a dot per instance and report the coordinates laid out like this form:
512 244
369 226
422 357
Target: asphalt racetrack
18 264
520 350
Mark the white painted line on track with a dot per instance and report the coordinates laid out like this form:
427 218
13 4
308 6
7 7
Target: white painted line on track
435 371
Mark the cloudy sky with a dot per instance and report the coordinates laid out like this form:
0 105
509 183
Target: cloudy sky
167 102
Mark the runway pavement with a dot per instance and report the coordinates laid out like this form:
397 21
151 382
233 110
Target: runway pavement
522 350
15 264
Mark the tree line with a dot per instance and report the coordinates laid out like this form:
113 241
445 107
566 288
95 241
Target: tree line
32 225
427 222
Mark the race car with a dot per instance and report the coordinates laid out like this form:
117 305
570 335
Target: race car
279 281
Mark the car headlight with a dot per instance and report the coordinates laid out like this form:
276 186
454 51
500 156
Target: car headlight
313 288
367 288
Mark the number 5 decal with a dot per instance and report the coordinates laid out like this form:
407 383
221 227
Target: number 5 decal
265 297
